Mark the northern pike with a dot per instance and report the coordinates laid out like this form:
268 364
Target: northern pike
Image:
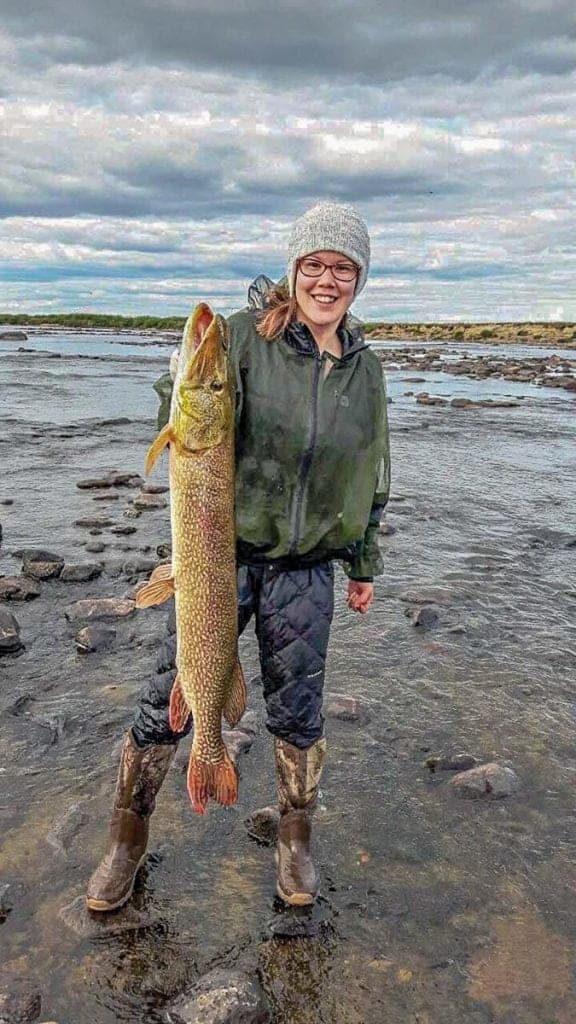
200 431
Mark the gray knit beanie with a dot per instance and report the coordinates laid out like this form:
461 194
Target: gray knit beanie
334 226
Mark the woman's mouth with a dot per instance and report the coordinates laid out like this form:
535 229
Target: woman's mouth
324 300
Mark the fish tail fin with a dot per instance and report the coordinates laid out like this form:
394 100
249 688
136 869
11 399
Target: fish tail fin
165 436
237 699
158 589
206 781
179 712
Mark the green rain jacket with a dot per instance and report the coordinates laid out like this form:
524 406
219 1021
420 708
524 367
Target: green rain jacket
312 452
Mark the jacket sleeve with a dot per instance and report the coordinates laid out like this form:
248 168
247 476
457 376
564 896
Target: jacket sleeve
367 561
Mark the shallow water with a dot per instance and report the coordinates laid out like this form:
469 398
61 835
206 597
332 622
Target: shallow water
434 908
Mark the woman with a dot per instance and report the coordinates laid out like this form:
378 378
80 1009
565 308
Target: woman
312 478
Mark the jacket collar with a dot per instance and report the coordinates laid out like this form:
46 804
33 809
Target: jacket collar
300 338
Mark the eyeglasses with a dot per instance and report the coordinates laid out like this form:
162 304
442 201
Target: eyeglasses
312 267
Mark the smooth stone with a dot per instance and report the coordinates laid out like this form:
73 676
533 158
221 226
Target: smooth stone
155 489
9 633
95 547
97 522
80 572
138 564
262 825
20 1001
112 479
423 617
123 530
344 707
99 608
18 588
149 501
92 925
237 742
451 762
486 780
94 638
221 997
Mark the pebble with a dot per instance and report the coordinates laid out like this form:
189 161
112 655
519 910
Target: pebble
94 638
262 825
149 501
123 530
451 762
95 547
131 513
164 550
222 997
99 608
486 780
6 501
155 489
9 633
80 572
18 588
97 522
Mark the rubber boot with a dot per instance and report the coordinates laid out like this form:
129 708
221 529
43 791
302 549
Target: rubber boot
298 777
140 776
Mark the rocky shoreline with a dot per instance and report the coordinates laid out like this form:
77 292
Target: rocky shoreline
540 334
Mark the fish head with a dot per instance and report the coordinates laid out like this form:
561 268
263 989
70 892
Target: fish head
204 412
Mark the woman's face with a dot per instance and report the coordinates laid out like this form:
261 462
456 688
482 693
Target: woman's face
323 301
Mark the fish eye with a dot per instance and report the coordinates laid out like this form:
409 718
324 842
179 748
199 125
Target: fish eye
217 385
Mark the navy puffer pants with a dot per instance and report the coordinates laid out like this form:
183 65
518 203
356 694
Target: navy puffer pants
293 612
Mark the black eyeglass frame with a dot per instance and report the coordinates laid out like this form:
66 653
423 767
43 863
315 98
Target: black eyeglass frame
328 266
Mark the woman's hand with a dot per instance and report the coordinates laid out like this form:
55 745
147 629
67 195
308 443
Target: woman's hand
360 596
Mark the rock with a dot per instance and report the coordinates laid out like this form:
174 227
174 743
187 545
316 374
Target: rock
123 529
237 742
95 532
89 925
95 522
262 825
95 547
155 489
249 723
462 403
20 1001
41 565
344 707
424 617
18 588
13 336
63 832
222 997
80 572
6 501
138 564
425 399
386 529
99 608
451 762
131 513
93 483
94 638
9 633
486 780
5 902
106 497
164 551
112 479
149 501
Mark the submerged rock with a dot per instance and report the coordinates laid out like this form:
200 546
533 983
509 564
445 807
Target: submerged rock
41 565
95 547
93 925
138 564
424 617
123 529
112 479
237 742
451 762
20 1001
80 572
9 633
18 588
99 608
95 522
5 902
94 638
222 997
155 489
345 707
164 550
486 780
262 825
13 336
149 501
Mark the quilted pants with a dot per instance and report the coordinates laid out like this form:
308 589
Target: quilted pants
293 612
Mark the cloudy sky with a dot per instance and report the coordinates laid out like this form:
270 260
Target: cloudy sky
157 151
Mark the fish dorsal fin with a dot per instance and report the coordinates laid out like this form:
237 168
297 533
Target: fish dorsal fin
164 438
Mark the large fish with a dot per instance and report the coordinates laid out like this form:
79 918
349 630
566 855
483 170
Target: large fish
202 577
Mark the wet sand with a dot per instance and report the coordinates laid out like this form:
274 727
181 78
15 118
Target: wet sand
434 907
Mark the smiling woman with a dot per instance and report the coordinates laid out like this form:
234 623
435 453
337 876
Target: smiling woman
311 480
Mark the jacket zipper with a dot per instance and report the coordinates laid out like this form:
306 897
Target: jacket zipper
306 462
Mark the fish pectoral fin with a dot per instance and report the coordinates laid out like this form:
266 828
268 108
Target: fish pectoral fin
179 711
165 436
237 699
206 781
159 588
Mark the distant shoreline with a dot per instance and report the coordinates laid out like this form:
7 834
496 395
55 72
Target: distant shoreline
544 334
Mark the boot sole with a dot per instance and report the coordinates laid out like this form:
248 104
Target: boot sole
102 906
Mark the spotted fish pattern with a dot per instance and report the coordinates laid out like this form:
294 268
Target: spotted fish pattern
202 576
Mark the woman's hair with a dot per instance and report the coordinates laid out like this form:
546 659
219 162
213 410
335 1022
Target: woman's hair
280 310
